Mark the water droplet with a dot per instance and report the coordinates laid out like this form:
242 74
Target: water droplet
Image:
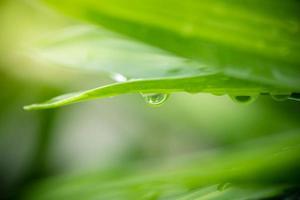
218 93
295 96
155 99
192 90
245 99
119 78
223 186
280 97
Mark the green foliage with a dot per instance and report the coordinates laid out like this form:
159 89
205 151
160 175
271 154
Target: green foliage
241 167
223 47
242 49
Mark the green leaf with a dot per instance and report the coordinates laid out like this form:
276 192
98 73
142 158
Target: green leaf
250 39
233 193
215 83
249 167
175 46
92 48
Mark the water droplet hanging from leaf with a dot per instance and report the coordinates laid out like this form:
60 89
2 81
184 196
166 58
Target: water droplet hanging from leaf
245 99
295 96
280 97
155 99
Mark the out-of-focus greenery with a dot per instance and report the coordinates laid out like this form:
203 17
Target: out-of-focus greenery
195 146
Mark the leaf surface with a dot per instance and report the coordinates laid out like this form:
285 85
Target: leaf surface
248 48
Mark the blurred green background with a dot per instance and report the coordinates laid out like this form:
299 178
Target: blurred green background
109 133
